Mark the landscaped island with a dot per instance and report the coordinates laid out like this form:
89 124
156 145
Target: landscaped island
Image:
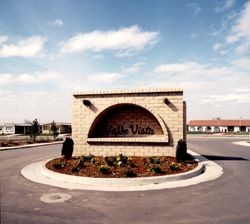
120 166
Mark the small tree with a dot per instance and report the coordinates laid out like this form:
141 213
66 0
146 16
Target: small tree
34 129
54 129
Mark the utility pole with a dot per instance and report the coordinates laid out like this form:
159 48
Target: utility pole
249 134
240 125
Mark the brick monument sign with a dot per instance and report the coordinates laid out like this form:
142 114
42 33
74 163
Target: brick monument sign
139 122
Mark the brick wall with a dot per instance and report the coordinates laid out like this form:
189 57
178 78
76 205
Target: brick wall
140 122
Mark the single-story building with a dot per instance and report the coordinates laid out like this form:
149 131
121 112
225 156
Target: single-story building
16 128
216 126
1 129
62 127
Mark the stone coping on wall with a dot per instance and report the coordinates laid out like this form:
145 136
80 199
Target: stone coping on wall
124 139
119 92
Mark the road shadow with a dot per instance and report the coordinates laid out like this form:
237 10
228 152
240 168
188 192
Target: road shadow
214 157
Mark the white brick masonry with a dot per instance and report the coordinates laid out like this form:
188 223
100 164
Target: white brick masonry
139 122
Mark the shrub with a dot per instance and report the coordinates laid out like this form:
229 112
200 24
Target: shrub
132 164
173 166
104 169
122 159
75 169
111 161
154 160
57 165
130 173
181 151
156 169
67 148
83 159
93 160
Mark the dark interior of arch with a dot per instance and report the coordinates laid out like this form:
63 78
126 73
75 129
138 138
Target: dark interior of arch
125 120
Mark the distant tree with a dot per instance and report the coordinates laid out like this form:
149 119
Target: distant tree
34 129
217 118
54 129
27 121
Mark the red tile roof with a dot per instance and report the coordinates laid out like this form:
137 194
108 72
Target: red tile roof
219 123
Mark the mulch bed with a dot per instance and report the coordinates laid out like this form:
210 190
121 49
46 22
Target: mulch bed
120 166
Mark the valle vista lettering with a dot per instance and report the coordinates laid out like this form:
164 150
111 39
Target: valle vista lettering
120 130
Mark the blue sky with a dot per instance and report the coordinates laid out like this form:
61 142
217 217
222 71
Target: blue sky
49 49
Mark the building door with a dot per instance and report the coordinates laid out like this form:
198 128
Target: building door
216 129
243 128
230 128
208 129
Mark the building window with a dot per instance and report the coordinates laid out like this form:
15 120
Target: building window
200 128
243 128
192 129
9 129
208 129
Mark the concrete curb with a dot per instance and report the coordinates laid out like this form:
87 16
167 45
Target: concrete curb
29 146
244 143
206 171
125 182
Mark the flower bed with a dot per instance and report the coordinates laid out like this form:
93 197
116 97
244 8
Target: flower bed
120 166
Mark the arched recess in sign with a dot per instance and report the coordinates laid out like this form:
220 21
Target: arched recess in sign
127 120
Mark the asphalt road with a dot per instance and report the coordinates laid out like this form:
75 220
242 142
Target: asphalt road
225 200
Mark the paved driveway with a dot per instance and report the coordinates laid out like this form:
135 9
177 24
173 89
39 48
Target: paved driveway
225 200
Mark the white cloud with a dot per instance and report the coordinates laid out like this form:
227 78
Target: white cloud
193 35
220 48
125 41
5 79
98 56
243 48
221 98
241 28
195 8
238 38
242 63
133 69
217 32
3 39
176 68
57 22
25 79
217 46
227 4
104 77
202 79
29 47
208 89
44 105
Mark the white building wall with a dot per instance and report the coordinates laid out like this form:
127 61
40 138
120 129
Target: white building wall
221 128
236 128
9 130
